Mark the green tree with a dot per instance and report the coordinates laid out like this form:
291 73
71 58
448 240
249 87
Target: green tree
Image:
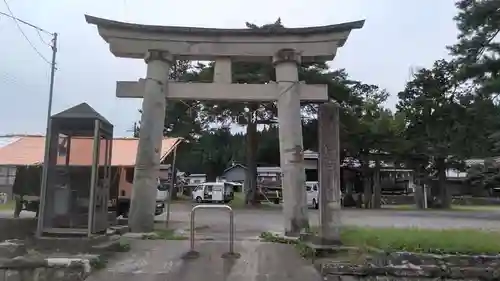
182 118
250 114
215 151
434 117
483 178
478 49
477 52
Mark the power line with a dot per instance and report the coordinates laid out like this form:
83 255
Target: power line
16 20
41 38
26 23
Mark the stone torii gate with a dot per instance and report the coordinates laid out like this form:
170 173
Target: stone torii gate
160 45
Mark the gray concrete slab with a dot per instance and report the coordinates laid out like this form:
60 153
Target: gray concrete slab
162 260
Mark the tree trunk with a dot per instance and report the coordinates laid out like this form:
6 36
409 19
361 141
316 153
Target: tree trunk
367 184
377 190
211 174
251 150
175 192
18 205
444 194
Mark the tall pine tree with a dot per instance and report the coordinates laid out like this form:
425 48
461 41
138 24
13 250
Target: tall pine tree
478 48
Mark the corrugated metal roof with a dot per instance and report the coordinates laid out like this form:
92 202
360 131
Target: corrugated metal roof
30 151
7 140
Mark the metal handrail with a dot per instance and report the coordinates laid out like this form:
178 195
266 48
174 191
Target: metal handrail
231 224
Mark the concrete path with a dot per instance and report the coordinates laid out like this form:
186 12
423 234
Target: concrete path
157 260
162 260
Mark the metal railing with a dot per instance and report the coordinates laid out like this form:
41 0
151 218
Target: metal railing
231 226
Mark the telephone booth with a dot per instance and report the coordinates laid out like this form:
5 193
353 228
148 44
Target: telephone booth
76 173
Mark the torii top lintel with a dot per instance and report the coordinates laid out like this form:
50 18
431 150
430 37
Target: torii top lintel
315 44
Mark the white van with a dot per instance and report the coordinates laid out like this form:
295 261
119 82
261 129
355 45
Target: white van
213 192
162 193
312 191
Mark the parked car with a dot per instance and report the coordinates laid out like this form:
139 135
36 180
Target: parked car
213 192
312 189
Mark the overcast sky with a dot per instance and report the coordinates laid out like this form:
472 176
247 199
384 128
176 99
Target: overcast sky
398 35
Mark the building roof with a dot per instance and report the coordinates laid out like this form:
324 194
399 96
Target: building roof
259 169
81 111
268 170
470 162
29 150
8 140
196 175
234 166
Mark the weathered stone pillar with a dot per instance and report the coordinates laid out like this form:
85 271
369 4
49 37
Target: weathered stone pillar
142 208
418 191
291 147
222 70
329 174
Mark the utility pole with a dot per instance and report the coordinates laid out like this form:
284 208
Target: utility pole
171 187
43 189
52 73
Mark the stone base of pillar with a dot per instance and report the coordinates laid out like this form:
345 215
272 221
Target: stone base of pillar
325 247
322 242
298 227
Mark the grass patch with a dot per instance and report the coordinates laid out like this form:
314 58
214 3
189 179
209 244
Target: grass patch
449 241
453 208
304 250
476 208
123 247
99 263
163 234
238 200
8 206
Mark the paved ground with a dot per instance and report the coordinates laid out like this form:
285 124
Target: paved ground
250 223
162 260
10 213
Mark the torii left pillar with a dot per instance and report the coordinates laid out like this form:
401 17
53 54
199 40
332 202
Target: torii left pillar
293 179
142 205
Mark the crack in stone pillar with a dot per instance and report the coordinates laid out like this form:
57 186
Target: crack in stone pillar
291 146
143 199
